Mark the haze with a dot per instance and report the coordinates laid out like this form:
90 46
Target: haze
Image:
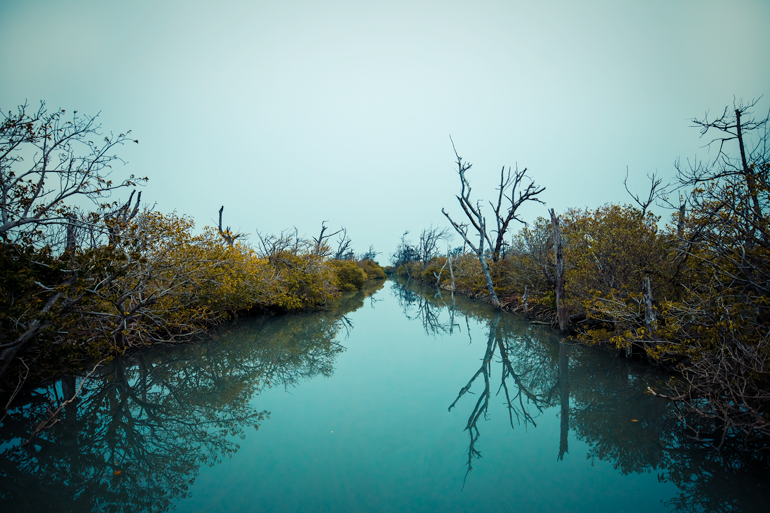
294 112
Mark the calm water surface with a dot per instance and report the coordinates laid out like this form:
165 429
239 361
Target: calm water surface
397 399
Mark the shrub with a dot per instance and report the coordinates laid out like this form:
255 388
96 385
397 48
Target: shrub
372 269
350 277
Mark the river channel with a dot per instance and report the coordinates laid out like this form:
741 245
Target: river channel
397 398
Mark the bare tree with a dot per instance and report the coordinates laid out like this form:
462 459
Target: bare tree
370 254
750 166
46 163
227 234
561 305
510 185
655 189
405 253
477 220
722 318
321 246
344 249
429 241
449 257
271 246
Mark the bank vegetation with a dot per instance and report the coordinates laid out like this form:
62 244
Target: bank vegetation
85 277
689 292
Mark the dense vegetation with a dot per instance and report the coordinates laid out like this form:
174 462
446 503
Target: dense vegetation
79 285
693 293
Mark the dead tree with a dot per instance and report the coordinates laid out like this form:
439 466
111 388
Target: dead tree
369 254
116 220
473 212
429 241
727 233
405 254
479 223
321 248
510 184
751 167
344 250
561 306
440 272
228 236
649 313
451 271
47 165
272 247
644 204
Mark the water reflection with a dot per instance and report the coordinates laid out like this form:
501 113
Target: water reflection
142 429
527 380
136 436
600 399
416 306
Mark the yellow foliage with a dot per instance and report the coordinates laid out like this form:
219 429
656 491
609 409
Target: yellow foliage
158 281
350 277
372 269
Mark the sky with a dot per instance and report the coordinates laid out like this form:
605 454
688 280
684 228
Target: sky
289 113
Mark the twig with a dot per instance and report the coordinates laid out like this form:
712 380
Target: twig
22 380
52 419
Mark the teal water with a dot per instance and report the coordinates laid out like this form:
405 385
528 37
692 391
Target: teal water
398 399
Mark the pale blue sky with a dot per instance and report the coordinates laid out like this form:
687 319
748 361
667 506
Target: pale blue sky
293 112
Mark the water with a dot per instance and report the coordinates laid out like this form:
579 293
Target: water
396 399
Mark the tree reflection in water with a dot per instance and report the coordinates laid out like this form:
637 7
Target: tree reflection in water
529 376
136 437
138 433
639 433
601 398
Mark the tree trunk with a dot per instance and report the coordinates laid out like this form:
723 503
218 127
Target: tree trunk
9 352
525 298
71 237
748 173
483 260
34 328
649 315
561 307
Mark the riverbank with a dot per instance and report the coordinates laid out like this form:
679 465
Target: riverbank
734 427
534 310
153 282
